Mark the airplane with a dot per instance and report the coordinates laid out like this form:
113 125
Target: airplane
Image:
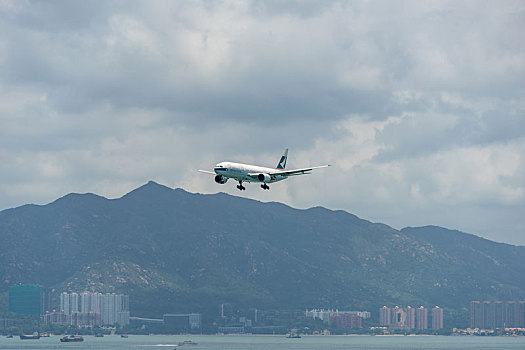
252 173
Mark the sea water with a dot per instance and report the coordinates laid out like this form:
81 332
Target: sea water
260 342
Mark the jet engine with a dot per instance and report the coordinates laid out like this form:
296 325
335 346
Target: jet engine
220 179
264 177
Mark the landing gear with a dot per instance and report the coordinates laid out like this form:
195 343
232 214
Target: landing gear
265 187
240 186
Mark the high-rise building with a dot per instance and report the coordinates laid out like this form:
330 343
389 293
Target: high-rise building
399 318
325 315
69 303
56 317
25 299
385 316
114 308
437 318
422 318
226 310
521 314
95 308
253 315
411 317
404 318
46 297
86 301
488 315
476 314
345 321
497 314
511 314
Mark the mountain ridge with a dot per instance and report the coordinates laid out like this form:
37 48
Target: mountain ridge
190 252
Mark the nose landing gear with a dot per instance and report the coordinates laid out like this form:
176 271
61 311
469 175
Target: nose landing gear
265 187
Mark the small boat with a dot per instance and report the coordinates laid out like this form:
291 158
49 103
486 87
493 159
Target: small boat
45 335
293 335
186 342
124 336
99 335
71 339
9 336
30 336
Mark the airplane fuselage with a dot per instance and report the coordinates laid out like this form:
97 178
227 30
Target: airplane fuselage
253 173
247 172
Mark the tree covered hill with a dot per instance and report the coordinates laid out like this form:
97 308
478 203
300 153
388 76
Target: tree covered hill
175 251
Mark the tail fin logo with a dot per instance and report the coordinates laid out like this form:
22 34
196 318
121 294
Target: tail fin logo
282 162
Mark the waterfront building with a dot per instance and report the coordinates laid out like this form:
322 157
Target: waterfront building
268 330
69 303
476 315
411 317
46 297
231 330
521 314
385 316
404 318
85 319
437 318
497 314
88 309
56 317
345 321
226 310
183 322
253 315
6 323
488 315
362 314
422 318
85 302
511 314
25 299
498 308
399 318
325 315
320 314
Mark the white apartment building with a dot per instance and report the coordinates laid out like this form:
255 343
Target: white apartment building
112 308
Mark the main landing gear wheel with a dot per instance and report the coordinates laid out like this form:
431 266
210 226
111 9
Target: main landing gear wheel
240 186
265 187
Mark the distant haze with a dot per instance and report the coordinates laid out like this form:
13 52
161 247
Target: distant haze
419 105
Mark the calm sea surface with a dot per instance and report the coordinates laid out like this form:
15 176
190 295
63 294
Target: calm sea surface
251 342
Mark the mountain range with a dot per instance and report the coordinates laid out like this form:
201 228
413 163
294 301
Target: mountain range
174 251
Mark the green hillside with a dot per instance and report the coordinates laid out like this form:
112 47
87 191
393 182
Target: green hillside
175 251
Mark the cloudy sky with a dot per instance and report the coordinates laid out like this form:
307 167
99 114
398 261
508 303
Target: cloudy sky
419 105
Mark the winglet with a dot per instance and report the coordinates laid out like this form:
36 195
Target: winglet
282 163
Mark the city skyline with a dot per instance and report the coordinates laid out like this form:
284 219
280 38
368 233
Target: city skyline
421 122
92 308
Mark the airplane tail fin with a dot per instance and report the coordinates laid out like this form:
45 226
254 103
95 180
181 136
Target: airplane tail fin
282 162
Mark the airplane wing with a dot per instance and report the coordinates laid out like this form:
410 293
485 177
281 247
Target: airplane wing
207 172
297 171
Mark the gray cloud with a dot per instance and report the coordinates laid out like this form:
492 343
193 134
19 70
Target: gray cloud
419 105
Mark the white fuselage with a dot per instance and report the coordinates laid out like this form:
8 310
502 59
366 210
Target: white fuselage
246 172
